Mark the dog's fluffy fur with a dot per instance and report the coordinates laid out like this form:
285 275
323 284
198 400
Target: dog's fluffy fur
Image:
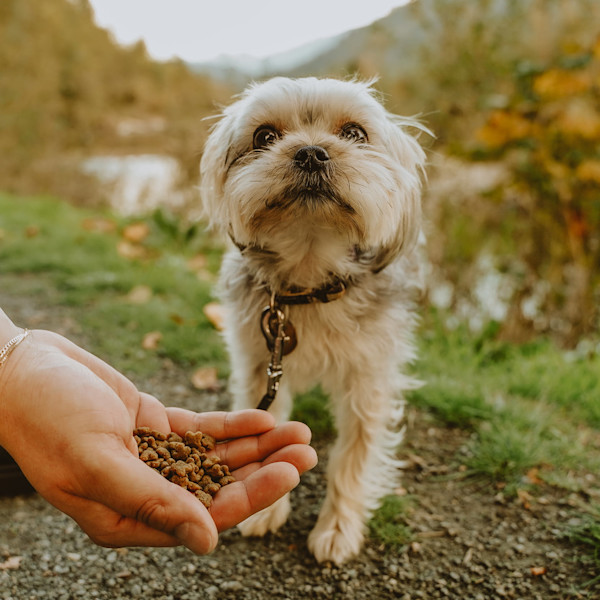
355 216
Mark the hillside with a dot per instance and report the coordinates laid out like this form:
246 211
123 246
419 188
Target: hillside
67 87
452 59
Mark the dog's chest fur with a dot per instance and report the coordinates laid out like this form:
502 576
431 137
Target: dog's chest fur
374 315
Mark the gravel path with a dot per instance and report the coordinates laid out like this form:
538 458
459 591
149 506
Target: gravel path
469 544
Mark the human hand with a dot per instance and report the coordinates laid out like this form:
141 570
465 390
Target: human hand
67 418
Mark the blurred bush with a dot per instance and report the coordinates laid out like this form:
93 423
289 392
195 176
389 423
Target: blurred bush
548 135
66 89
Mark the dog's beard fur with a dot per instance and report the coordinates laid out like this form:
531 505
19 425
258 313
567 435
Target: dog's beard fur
355 217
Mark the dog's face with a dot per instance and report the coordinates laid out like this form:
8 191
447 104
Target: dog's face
299 159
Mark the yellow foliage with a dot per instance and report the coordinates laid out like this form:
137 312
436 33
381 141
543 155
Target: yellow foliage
503 127
580 118
589 171
558 83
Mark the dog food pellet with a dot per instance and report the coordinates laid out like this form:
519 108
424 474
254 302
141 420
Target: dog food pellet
184 461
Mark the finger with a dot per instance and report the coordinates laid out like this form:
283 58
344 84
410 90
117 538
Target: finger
130 488
151 413
221 425
239 452
301 456
237 501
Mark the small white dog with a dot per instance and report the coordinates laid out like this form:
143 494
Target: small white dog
319 189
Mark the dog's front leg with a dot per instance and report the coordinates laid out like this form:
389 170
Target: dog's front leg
362 466
248 385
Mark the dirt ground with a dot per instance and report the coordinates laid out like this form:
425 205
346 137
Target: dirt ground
470 543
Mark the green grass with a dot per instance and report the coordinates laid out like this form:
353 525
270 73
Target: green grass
527 406
586 535
51 240
388 524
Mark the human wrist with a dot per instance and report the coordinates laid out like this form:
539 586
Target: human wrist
8 330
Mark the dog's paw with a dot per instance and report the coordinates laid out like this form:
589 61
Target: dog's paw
268 519
335 540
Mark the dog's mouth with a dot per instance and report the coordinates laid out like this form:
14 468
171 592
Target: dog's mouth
311 196
312 191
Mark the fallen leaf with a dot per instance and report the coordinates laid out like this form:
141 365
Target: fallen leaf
537 571
140 294
32 231
205 378
129 250
525 498
532 476
99 224
13 562
197 263
136 232
152 340
177 319
215 313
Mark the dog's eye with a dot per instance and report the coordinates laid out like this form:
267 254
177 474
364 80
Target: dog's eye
264 136
354 133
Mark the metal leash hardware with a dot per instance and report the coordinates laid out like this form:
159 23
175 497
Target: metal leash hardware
280 336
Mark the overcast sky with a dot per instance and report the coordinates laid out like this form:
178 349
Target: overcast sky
200 30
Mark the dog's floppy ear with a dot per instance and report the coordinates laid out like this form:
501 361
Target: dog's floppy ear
213 173
408 153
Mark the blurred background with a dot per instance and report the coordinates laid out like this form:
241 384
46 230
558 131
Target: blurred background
102 103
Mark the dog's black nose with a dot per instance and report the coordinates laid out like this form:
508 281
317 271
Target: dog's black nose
311 158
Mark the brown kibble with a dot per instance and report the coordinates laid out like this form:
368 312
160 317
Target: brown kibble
179 450
163 452
193 439
216 472
142 431
205 498
179 480
184 461
148 454
210 461
181 468
212 488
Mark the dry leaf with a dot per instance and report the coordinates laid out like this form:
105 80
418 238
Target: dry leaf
589 170
129 250
140 294
13 562
205 378
32 231
197 263
533 476
558 83
136 232
152 340
215 313
525 498
99 224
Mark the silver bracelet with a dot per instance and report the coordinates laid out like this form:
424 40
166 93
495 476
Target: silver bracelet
11 345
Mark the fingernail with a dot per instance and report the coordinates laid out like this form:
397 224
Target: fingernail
200 539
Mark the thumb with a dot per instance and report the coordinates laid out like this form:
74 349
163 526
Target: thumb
147 500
